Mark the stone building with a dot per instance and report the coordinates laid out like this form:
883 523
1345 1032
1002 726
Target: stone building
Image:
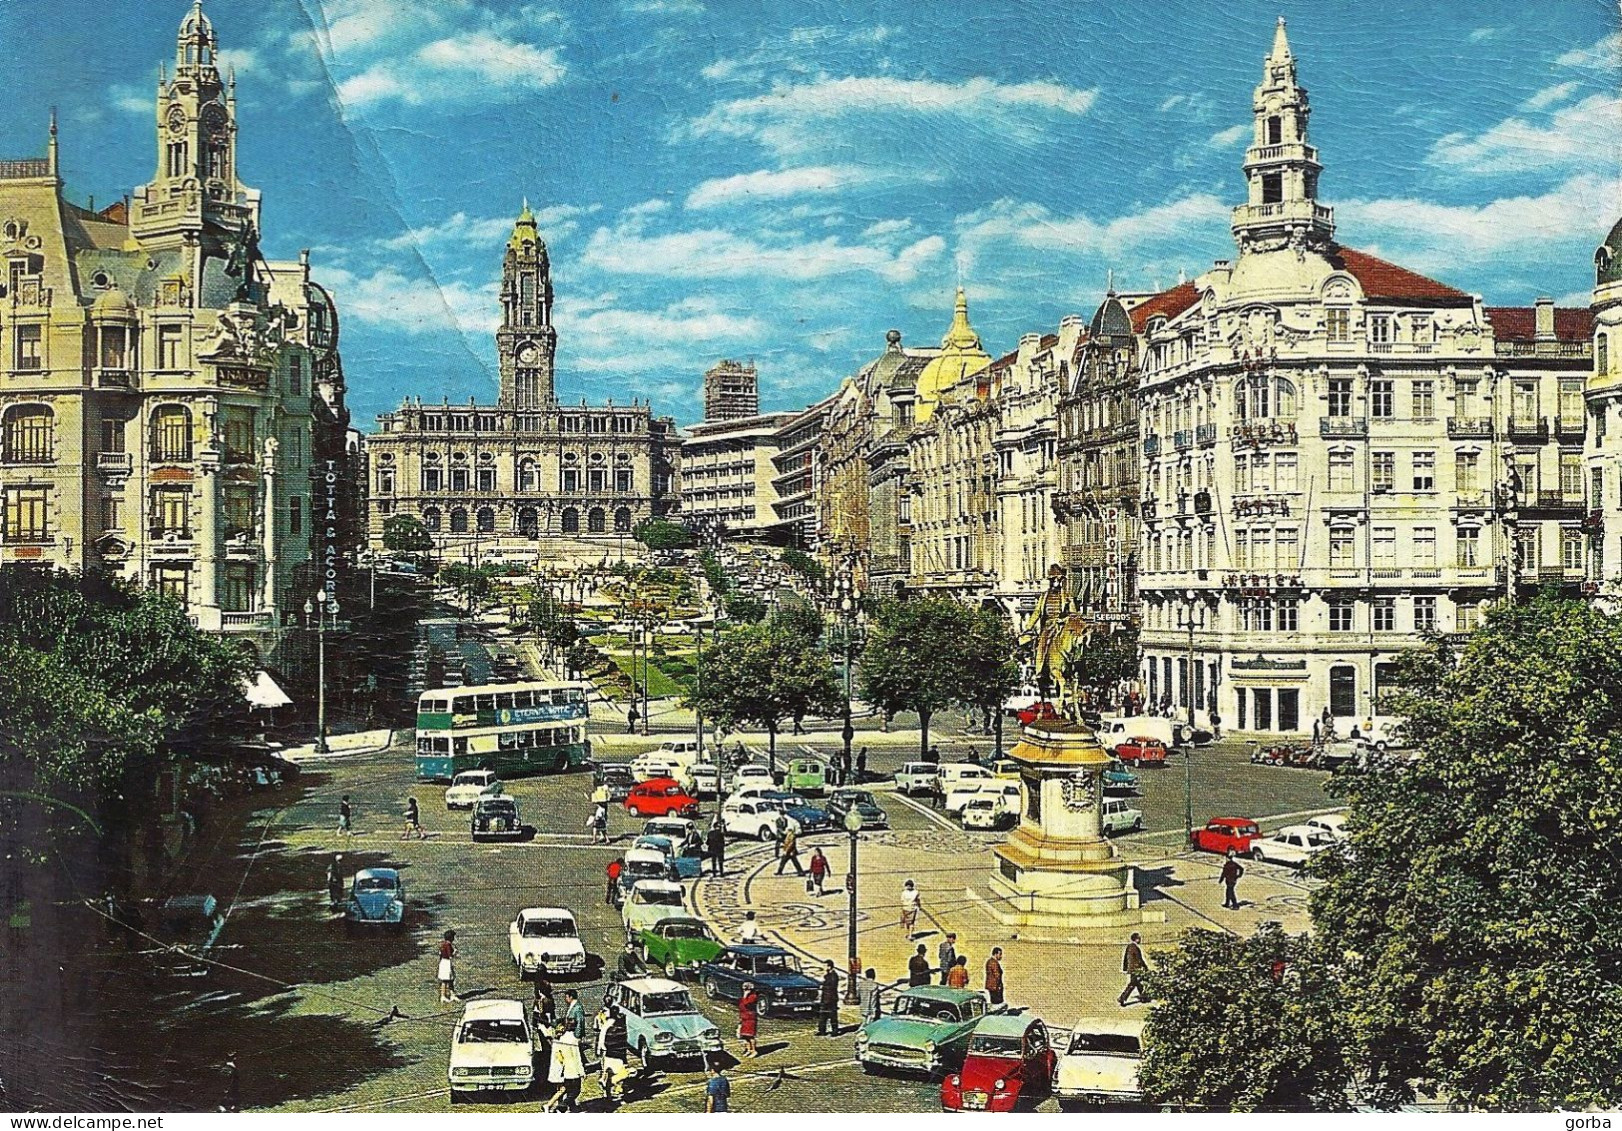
526 476
731 391
728 473
797 475
1603 394
168 393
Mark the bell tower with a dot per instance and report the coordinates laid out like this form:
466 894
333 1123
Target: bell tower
526 342
1281 169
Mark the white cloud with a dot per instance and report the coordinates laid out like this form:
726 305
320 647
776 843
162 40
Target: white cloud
1581 134
390 299
1482 33
886 228
556 222
1184 222
665 7
132 99
1228 138
1604 55
626 339
1549 95
768 184
242 60
468 67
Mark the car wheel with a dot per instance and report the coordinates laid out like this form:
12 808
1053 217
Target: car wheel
1137 825
671 969
870 1069
712 987
456 1097
765 836
633 811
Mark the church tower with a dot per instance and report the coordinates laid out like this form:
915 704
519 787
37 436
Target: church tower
195 188
1280 167
527 343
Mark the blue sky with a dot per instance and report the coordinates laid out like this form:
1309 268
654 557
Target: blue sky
786 181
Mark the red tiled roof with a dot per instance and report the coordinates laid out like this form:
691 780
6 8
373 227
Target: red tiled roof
1382 281
1519 323
1170 303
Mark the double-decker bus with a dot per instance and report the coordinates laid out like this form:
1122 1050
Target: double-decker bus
511 728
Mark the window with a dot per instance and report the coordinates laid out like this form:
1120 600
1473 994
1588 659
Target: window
1524 401
1385 547
1571 476
459 520
239 440
623 479
1340 396
622 520
29 338
431 519
1424 614
486 520
1289 615
1241 475
458 478
487 480
1466 617
1288 548
1338 324
1596 486
1424 400
29 434
1465 467
571 480
1340 471
1602 354
1272 188
238 593
1424 545
1469 547
112 512
239 511
1423 331
26 517
385 481
1528 555
1385 614
596 480
1261 548
529 480
1571 403
1260 615
1263 472
1284 467
1383 471
1382 399
596 521
1342 547
171 582
1241 549
1465 397
1379 329
171 434
1571 549
1342 614
1275 130
171 512
1424 471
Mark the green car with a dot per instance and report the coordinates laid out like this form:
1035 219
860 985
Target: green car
926 1031
678 944
806 775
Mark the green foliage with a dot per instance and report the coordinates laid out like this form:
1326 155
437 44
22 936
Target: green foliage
404 534
798 617
1244 1024
990 670
914 658
1104 660
1481 922
765 675
662 534
803 563
474 582
720 583
744 608
582 656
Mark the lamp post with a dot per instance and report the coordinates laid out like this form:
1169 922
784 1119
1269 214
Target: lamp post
850 598
325 605
853 826
1190 622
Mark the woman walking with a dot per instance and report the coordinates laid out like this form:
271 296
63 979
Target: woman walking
565 1071
447 969
749 1019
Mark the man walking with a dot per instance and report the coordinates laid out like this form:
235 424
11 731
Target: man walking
612 1047
717 1089
918 968
335 880
574 1015
631 717
716 841
911 901
994 978
789 852
828 1003
1231 871
946 954
599 823
413 821
346 817
861 765
867 994
1133 966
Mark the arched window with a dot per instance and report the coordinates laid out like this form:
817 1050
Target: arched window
171 434
430 518
486 519
459 520
596 521
1261 398
622 520
30 434
529 525
571 520
458 474
433 474
529 479
1275 130
1602 354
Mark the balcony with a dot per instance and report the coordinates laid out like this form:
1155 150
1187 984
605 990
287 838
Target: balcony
1557 501
170 543
1570 427
1202 502
119 378
1532 429
1149 509
247 622
1205 434
1343 426
1151 445
1260 506
1182 439
1472 500
114 463
1469 428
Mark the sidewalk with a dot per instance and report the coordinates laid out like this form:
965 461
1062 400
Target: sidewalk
342 746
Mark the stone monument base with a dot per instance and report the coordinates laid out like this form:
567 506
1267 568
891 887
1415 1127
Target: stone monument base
1057 886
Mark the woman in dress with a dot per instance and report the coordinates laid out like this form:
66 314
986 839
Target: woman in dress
447 969
749 1019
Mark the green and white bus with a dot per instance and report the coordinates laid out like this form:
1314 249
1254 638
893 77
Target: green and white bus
511 728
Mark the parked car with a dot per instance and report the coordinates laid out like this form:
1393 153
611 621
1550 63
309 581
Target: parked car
806 775
953 776
1005 793
752 773
1293 845
756 817
1004 768
1100 1061
470 785
1038 711
705 779
682 831
661 1022
651 764
926 1031
687 867
1223 833
678 944
1332 825
914 778
1168 732
776 975
1120 816
1339 754
495 818
1009 1063
810 818
492 1049
546 936
988 814
376 897
1120 781
1141 751
647 903
842 801
660 797
615 777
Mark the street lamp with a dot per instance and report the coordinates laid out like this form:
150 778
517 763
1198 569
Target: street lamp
850 598
1191 621
325 605
853 826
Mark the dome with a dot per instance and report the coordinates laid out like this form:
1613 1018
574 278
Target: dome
1110 320
1608 259
113 303
961 357
525 231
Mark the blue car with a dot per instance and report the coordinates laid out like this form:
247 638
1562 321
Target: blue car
1120 781
812 819
775 973
687 867
376 898
660 1021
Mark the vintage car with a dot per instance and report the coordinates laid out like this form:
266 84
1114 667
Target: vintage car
1004 768
1100 1061
1340 754
614 779
806 775
546 936
661 1022
752 773
687 867
775 973
495 818
755 816
648 902
1120 781
926 1031
1040 711
806 815
492 1049
1120 816
376 897
1223 833
987 813
1009 1063
1141 751
651 764
1292 845
683 832
470 785
1332 825
678 944
705 778
842 801
1005 793
916 777
640 864
660 797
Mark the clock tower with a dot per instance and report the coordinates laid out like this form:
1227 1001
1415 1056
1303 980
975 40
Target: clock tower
527 343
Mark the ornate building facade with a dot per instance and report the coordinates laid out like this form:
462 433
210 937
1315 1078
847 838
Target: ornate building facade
526 475
1603 520
170 397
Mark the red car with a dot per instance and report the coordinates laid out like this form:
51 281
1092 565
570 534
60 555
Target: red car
1142 752
1223 833
1040 711
1009 1064
660 797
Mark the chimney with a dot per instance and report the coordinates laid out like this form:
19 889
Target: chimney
1544 324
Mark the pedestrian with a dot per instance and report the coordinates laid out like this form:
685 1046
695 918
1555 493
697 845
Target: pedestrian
819 869
447 968
544 1007
574 1015
749 1020
789 852
867 995
828 1003
335 880
717 1089
611 896
1133 966
1317 732
994 978
413 821
1231 871
612 1049
749 932
861 764
946 954
346 817
934 755
598 823
631 716
231 1090
716 842
565 1071
918 968
911 901
957 977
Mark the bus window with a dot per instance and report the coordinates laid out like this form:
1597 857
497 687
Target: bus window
442 746
424 745
462 705
484 702
461 746
523 699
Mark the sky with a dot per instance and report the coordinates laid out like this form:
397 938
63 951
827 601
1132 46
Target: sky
784 182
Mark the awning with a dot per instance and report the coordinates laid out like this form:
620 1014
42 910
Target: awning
262 692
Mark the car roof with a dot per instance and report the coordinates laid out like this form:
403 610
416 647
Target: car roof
644 856
1116 1026
1005 1024
378 873
667 821
652 985
475 774
941 993
754 950
663 919
1331 818
545 913
659 783
1231 821
493 1009
656 885
1290 830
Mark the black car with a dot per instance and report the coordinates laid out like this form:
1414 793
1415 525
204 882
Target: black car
616 776
496 818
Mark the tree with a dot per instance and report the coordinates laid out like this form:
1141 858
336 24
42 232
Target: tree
1479 910
473 582
403 534
800 617
991 672
803 563
764 674
1244 1024
913 659
744 608
662 534
1101 660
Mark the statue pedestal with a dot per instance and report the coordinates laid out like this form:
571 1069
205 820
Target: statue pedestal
1058 873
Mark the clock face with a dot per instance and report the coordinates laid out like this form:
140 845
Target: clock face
177 119
526 352
213 119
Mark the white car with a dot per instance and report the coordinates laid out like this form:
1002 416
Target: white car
916 777
469 786
752 774
653 764
754 817
1332 825
650 901
1004 792
1100 1061
681 830
953 776
705 779
546 936
492 1049
1293 845
1119 816
987 813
